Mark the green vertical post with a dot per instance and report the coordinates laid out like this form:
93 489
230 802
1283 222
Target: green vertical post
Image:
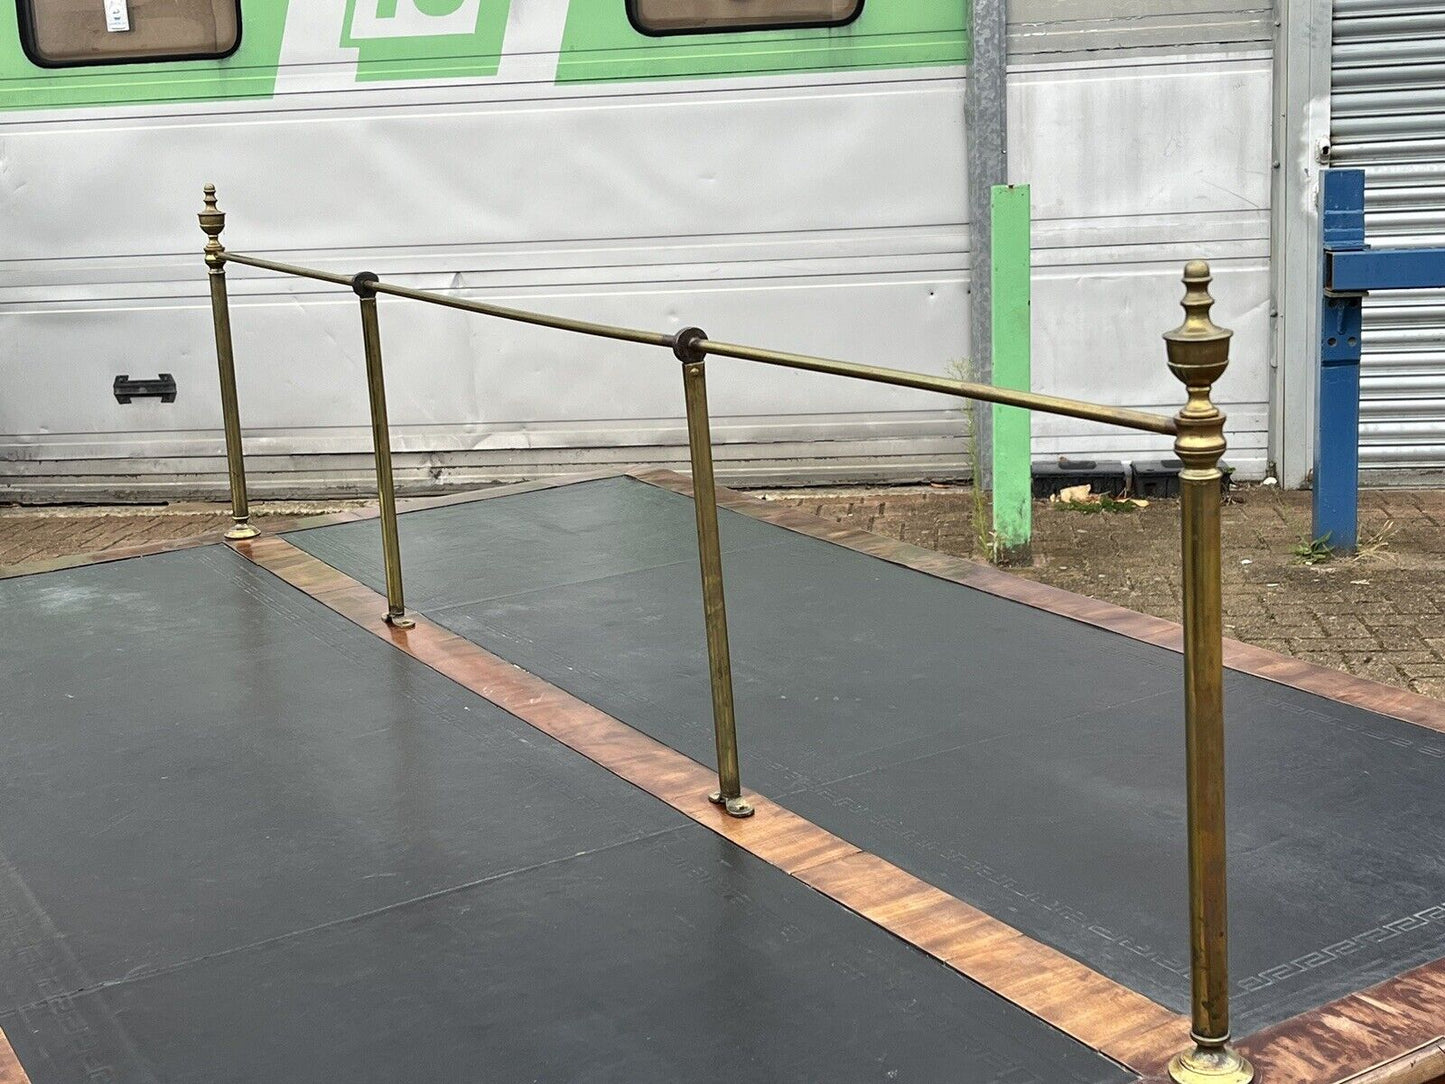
1012 468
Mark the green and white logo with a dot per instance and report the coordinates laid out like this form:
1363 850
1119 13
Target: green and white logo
425 39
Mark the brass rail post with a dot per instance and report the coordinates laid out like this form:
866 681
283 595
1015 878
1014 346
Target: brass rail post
381 446
213 221
709 552
1198 355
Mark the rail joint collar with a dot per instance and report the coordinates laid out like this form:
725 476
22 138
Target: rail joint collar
684 345
362 281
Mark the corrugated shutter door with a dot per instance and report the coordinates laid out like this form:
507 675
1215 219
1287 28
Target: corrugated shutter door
1388 117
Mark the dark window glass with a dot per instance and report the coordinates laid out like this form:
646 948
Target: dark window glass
62 33
694 16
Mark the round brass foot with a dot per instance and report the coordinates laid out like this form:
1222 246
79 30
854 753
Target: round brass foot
1211 1065
735 807
242 531
400 621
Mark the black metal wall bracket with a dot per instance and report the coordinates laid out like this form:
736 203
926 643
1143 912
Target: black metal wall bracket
163 387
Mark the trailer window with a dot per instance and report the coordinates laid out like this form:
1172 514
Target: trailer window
701 16
64 33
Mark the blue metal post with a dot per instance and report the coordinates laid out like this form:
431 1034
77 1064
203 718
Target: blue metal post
1337 438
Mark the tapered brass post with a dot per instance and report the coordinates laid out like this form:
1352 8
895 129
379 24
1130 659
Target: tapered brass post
709 552
381 450
1198 355
213 221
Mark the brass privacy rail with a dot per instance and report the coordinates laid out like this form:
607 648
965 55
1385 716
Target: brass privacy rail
700 344
1198 353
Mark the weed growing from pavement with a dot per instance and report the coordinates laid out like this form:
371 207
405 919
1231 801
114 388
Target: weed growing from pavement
1373 547
1102 504
985 540
1317 551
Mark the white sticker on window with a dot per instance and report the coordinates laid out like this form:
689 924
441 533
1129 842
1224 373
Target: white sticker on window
117 15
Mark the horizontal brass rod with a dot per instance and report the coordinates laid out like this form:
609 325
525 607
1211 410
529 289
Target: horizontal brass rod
1048 404
288 269
561 323
581 327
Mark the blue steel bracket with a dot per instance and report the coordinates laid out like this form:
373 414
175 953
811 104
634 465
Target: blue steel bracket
1342 211
1384 269
1335 495
1351 268
1335 499
1340 321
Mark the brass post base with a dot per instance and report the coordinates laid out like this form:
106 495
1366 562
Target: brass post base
1211 1065
400 621
736 807
242 531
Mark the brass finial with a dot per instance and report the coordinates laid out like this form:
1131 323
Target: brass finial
1198 355
213 221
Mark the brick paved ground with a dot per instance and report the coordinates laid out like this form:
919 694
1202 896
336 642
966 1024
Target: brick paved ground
1381 615
36 534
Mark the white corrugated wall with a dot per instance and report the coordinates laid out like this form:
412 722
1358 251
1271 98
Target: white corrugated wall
1388 117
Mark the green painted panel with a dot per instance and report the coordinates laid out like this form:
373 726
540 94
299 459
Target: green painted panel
1012 311
475 52
249 73
600 44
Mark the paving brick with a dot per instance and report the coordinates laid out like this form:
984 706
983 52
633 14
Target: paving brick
31 534
1424 669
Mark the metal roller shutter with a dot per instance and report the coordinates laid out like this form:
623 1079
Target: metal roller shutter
1387 109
